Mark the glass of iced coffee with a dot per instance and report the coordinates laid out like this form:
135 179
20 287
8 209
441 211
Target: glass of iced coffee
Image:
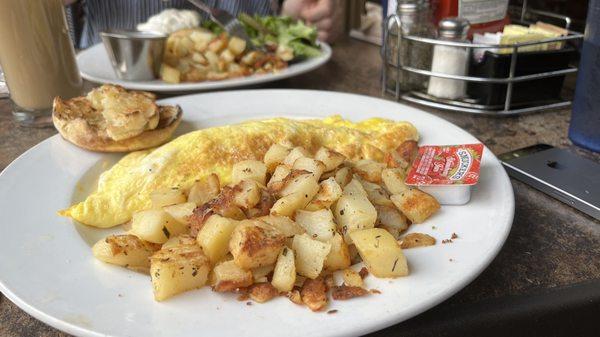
37 57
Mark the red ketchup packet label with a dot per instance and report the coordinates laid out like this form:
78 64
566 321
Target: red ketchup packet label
446 165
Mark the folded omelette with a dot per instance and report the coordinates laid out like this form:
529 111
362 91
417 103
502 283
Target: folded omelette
125 188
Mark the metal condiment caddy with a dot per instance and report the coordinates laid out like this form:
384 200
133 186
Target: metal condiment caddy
394 61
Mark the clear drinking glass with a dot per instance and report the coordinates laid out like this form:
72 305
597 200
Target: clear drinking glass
37 56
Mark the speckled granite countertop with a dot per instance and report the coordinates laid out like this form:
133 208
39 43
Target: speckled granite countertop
550 260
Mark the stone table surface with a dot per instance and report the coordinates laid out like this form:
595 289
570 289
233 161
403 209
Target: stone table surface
551 246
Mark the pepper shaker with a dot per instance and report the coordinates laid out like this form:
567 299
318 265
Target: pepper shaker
450 60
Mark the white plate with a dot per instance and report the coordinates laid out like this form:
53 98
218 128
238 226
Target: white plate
46 266
95 66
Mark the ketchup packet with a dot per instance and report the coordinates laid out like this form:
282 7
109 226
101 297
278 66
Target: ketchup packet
446 165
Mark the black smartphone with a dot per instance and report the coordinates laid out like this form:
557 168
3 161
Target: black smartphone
559 173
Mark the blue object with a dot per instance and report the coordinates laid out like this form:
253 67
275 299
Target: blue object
584 130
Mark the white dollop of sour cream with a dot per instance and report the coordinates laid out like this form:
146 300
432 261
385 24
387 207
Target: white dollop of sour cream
170 20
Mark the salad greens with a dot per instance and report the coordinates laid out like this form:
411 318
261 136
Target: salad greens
280 32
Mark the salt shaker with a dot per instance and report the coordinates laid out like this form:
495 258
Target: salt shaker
450 60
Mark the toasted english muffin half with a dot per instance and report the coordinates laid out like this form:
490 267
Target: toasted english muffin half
80 124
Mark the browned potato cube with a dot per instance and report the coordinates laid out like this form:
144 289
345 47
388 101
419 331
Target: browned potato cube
275 156
125 250
228 276
392 220
254 244
204 190
330 158
295 153
369 170
393 180
311 165
343 176
314 294
416 204
247 194
339 256
329 192
249 169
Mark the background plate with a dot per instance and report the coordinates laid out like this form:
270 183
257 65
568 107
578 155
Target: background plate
95 66
46 266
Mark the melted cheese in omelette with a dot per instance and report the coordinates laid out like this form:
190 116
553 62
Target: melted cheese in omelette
125 188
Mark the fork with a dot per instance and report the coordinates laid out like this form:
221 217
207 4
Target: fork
230 23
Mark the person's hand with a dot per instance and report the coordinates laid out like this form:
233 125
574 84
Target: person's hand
324 14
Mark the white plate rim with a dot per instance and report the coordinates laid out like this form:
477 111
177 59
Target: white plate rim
296 69
383 323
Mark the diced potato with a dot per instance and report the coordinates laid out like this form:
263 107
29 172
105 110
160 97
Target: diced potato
314 294
310 255
166 197
236 45
393 180
214 237
376 194
218 44
354 187
254 244
199 58
212 58
318 224
260 274
392 220
330 158
169 74
297 192
125 250
275 156
380 252
339 256
179 240
155 226
311 165
205 190
284 275
181 212
353 213
343 176
227 56
403 155
329 192
178 269
369 170
276 182
284 225
352 278
228 276
414 240
247 194
201 39
249 169
416 204
354 256
295 153
284 52
262 292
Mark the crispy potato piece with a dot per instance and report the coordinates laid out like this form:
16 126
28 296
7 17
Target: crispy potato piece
214 237
403 155
314 294
284 275
339 256
313 166
354 187
169 74
329 192
295 297
275 156
300 181
376 194
228 276
249 169
205 190
275 184
263 292
414 240
330 158
284 225
125 250
260 274
310 255
236 45
352 278
393 180
344 292
181 212
380 252
155 226
167 197
369 170
297 194
416 204
343 176
247 194
178 269
179 240
254 244
295 153
392 220
318 224
352 213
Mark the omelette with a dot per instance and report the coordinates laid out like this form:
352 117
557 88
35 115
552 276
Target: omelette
126 187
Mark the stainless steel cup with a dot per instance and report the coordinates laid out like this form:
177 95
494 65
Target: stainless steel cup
134 55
